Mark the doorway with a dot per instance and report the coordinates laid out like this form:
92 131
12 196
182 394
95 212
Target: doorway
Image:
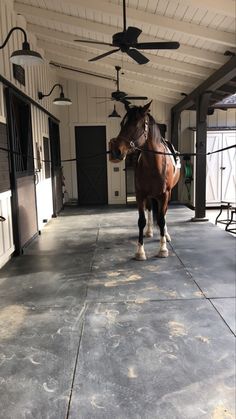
91 165
24 211
56 169
220 171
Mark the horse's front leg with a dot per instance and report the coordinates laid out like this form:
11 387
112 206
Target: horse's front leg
149 229
167 236
163 251
140 253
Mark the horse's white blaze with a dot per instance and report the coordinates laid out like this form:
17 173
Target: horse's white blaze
140 253
149 231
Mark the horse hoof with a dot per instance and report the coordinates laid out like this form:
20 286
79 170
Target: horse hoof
163 254
140 256
149 234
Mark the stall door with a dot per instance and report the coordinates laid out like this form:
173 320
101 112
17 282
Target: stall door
91 165
221 176
229 167
22 171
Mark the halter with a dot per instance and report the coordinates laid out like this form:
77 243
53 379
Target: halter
145 133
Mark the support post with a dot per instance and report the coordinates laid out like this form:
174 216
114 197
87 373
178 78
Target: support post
202 104
175 129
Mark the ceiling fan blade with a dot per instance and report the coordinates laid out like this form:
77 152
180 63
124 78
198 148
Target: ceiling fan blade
93 42
104 55
125 102
157 45
132 34
137 97
137 56
104 101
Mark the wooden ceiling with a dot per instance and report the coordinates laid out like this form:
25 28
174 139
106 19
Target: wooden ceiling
205 30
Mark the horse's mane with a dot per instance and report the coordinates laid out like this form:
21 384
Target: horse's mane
154 129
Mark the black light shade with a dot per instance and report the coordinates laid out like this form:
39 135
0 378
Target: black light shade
24 56
62 100
114 113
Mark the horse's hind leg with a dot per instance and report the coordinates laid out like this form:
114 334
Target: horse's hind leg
167 236
149 230
163 251
140 253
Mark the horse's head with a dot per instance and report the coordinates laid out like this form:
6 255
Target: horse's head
133 132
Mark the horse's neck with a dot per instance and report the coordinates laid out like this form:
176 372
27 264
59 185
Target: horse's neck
154 140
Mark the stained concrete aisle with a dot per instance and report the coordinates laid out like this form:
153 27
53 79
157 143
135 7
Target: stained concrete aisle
87 332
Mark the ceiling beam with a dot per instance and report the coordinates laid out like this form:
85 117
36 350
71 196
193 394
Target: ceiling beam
151 72
130 87
191 29
201 54
224 74
224 8
182 67
50 55
180 26
102 83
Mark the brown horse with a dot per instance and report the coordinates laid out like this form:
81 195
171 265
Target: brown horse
156 172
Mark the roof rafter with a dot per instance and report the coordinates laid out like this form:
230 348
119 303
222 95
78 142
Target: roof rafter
84 55
224 74
225 8
104 83
201 54
50 55
202 32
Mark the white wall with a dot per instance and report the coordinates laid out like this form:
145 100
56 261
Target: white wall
37 78
220 119
85 110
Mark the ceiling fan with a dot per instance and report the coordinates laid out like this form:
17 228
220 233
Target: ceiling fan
120 96
126 41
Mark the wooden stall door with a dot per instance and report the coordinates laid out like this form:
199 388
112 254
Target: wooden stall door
91 165
24 211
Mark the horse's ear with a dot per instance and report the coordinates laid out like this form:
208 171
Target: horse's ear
146 107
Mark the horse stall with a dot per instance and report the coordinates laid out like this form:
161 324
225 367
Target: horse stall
117 209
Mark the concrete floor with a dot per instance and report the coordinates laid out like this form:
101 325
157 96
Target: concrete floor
87 332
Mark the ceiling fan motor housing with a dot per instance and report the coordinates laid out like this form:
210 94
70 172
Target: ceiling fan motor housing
118 95
121 40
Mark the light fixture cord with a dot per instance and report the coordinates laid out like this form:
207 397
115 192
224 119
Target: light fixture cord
9 34
55 85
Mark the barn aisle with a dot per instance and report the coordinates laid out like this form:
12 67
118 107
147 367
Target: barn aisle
87 332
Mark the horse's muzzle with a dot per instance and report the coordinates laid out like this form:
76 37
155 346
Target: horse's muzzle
117 155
